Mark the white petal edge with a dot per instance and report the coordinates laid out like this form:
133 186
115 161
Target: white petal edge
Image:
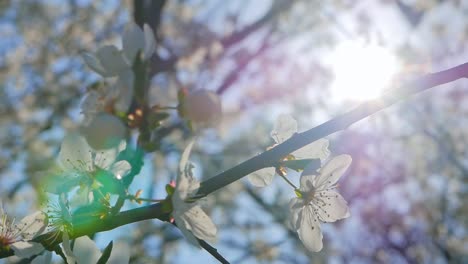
45 258
120 169
186 232
200 224
295 207
25 249
331 172
334 208
262 177
124 89
93 63
150 42
85 250
309 230
112 60
307 182
284 128
120 253
315 150
133 40
33 225
67 248
75 153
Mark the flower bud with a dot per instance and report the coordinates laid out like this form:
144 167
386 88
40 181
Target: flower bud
203 107
104 131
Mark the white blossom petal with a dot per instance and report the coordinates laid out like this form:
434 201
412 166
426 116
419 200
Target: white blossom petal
67 248
262 177
120 169
90 106
25 249
186 184
295 207
186 232
104 158
112 60
189 217
284 128
200 224
332 206
315 150
85 250
93 63
124 87
307 182
120 253
83 196
133 40
309 230
150 42
332 171
33 225
45 258
75 153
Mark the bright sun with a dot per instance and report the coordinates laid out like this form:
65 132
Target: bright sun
361 72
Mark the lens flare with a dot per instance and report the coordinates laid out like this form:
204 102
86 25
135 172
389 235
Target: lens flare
361 72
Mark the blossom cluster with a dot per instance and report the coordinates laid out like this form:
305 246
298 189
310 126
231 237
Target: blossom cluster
93 166
316 199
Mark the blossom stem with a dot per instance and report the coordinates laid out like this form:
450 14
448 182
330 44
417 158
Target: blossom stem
137 199
149 200
288 181
167 108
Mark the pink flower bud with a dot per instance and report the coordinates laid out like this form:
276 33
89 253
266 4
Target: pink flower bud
203 107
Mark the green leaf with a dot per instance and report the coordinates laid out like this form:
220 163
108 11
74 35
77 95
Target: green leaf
299 165
106 254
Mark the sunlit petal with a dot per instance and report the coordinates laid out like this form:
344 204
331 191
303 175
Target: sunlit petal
133 40
315 150
332 171
85 250
331 206
262 177
309 230
33 225
284 128
120 169
112 60
25 249
75 153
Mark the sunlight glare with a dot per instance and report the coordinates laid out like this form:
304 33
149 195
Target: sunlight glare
361 72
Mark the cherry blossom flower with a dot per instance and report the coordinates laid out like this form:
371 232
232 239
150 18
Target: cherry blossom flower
114 98
18 236
104 131
203 107
86 251
285 127
109 61
318 201
192 221
81 163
